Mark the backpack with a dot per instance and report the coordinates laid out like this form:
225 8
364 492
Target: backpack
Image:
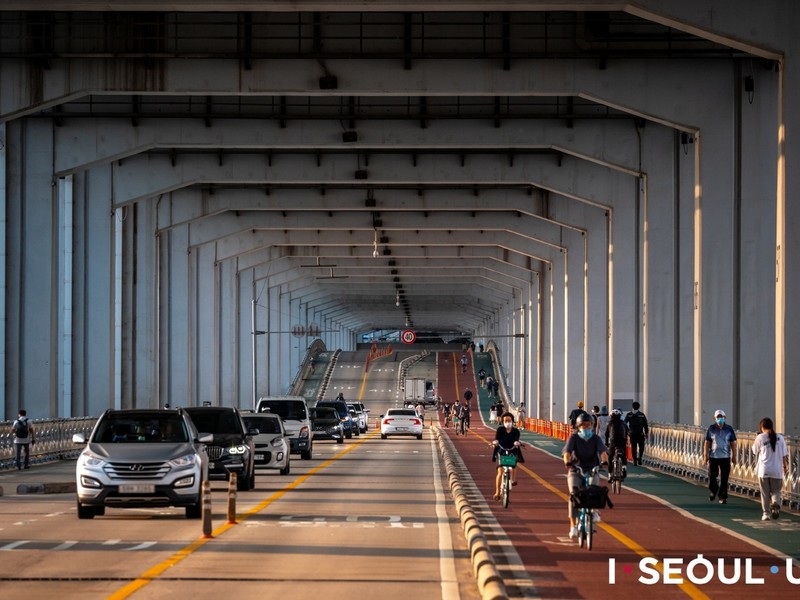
21 428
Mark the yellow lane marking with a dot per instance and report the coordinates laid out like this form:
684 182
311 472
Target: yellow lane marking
687 587
153 572
363 385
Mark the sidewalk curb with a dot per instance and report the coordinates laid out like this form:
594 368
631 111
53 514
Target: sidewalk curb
44 488
490 583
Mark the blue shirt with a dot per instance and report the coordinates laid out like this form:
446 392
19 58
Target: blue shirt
720 439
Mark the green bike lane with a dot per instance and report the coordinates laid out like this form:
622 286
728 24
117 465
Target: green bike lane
663 538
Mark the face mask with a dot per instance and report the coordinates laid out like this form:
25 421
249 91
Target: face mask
508 424
721 421
585 433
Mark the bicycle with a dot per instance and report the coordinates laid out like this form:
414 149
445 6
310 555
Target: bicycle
447 418
615 474
464 422
507 460
587 500
456 422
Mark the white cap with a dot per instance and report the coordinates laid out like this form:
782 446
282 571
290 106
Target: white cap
719 413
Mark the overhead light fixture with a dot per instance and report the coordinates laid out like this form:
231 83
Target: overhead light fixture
397 299
375 253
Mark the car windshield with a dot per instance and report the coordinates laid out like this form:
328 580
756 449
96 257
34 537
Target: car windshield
215 421
291 411
401 412
324 412
141 428
263 425
339 407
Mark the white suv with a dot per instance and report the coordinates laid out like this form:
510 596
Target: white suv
141 458
293 411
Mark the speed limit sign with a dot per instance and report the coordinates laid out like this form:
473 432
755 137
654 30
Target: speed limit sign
408 336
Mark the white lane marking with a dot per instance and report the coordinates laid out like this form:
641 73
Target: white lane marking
66 545
447 563
141 546
111 542
13 545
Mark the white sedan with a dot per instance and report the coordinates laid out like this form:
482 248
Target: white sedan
401 421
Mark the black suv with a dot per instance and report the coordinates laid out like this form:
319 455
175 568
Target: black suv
233 449
350 426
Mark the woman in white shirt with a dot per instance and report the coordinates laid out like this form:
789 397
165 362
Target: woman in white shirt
772 459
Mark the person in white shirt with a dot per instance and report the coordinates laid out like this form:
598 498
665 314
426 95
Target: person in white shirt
772 459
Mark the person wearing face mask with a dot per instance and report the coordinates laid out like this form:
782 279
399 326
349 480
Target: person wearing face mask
719 452
507 436
586 450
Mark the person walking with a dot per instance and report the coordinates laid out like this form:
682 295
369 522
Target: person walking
521 416
772 458
601 421
577 412
586 450
638 430
506 436
719 453
482 377
24 437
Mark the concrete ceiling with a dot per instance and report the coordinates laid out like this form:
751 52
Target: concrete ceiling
385 204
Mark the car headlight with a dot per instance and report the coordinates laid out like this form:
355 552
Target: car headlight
237 449
277 442
90 460
183 461
303 432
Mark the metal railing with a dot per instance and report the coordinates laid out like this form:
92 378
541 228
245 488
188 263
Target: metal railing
53 440
678 450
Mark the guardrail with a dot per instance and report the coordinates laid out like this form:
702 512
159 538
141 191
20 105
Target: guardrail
678 450
53 440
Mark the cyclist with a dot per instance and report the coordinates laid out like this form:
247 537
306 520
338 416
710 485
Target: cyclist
446 411
586 450
507 436
463 417
617 437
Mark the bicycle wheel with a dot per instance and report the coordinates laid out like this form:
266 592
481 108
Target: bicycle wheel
506 487
582 528
589 530
616 483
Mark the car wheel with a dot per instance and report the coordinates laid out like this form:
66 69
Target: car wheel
86 512
306 454
243 483
253 479
195 511
285 470
383 436
419 436
340 440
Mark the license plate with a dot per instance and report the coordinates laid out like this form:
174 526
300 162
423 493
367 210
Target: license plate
137 488
401 428
259 457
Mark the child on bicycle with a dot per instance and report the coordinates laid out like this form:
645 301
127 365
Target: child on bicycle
586 450
617 437
507 436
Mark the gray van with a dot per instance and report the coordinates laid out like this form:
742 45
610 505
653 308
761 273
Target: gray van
293 411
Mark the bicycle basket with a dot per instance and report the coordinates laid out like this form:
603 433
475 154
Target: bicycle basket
596 496
508 460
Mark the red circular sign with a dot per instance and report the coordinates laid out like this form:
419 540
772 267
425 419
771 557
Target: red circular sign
408 336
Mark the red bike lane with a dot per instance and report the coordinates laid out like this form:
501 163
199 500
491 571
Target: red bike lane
638 528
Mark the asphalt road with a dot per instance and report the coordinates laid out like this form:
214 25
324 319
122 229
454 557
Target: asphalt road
371 518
